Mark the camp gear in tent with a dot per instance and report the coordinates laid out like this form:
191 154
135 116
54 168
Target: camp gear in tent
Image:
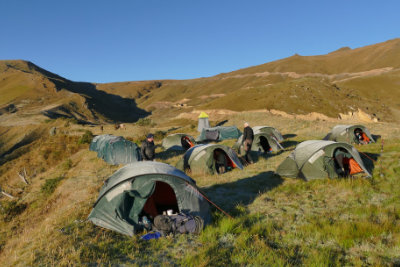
178 224
219 133
151 235
201 158
178 141
315 159
349 133
265 139
115 149
203 122
146 188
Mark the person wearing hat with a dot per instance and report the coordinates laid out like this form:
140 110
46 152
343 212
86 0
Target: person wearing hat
148 148
248 136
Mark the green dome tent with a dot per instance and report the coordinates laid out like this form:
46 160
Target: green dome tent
314 159
178 141
270 130
201 158
265 139
115 149
219 133
346 133
146 188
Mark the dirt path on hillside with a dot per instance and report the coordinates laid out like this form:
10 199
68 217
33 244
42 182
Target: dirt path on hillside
340 77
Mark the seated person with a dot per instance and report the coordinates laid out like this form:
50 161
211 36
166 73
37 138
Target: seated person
362 138
342 160
220 161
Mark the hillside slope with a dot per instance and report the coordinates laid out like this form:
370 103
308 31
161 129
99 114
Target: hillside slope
276 221
344 80
366 78
32 89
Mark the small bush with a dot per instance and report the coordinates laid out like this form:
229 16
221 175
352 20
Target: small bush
50 185
86 138
67 164
158 135
11 209
144 122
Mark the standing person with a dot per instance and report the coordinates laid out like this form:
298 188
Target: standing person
148 148
248 136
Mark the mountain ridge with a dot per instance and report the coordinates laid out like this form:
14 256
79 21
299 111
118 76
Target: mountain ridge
344 80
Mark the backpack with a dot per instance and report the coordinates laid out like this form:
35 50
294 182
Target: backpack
178 224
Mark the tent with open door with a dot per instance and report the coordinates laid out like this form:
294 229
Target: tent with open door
219 133
202 158
178 141
115 149
265 139
269 130
315 159
348 134
146 188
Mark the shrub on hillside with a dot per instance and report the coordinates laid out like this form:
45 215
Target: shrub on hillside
50 185
144 122
10 209
86 138
67 164
159 135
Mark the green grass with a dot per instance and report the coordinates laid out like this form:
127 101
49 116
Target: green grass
50 185
276 221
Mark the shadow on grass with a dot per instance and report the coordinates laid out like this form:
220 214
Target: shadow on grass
173 129
170 153
369 159
376 137
221 123
289 143
242 191
286 136
257 155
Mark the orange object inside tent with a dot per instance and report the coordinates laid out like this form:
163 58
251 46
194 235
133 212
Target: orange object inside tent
353 166
365 137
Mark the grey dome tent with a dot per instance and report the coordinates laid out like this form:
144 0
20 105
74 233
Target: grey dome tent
219 133
201 158
146 188
346 133
178 141
115 149
265 139
314 159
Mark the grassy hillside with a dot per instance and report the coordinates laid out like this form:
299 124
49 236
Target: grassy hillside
345 60
277 221
34 90
339 82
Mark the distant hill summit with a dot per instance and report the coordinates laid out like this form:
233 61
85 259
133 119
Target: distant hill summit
345 80
366 78
35 90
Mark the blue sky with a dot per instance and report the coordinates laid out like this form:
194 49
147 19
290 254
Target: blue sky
109 41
